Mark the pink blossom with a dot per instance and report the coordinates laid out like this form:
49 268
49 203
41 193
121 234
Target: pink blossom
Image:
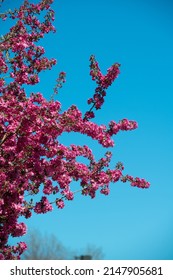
48 188
19 230
43 206
105 191
2 257
60 203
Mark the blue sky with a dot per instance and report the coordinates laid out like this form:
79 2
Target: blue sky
130 223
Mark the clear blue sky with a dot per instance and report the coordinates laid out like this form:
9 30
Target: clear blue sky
130 223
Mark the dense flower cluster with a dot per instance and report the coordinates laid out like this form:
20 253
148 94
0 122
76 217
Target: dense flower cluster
103 81
31 154
135 182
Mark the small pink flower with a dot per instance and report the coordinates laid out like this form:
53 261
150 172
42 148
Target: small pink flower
105 191
19 230
2 257
43 206
60 203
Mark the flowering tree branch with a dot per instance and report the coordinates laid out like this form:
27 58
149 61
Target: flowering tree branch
31 154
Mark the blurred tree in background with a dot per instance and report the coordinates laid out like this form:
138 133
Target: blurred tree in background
48 247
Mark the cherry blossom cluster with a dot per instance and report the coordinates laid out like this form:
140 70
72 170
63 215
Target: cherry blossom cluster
60 80
135 182
32 158
124 124
103 81
24 58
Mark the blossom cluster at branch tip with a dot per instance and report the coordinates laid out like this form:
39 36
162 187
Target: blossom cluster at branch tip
103 81
136 182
